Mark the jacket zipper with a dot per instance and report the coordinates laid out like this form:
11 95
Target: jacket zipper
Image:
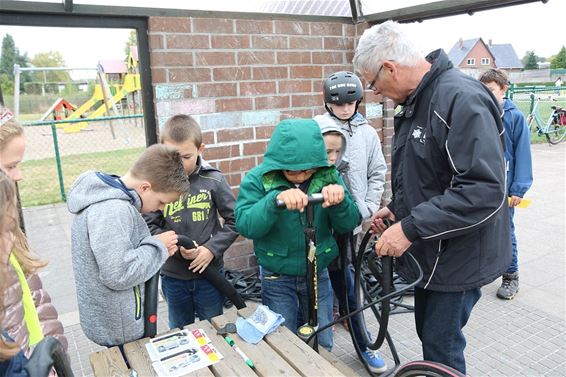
435 264
137 298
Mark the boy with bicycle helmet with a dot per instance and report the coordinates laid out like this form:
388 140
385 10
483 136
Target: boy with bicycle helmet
343 92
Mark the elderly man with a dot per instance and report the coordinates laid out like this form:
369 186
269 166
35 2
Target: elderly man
448 182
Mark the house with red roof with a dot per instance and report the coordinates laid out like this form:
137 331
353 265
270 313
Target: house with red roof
474 55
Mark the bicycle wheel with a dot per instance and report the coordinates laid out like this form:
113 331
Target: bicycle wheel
427 369
556 132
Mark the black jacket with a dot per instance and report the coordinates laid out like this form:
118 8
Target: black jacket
448 181
196 215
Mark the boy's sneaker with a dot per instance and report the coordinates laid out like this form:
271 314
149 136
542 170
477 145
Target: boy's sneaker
509 286
374 361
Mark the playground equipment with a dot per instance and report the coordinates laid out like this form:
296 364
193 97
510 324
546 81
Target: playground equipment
125 84
60 109
104 97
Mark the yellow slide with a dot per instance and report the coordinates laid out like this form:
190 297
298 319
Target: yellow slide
131 84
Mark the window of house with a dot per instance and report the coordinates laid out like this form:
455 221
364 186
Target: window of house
484 61
471 61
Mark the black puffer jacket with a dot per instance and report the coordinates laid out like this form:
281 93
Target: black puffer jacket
448 176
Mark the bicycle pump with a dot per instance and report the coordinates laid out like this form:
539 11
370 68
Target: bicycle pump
305 331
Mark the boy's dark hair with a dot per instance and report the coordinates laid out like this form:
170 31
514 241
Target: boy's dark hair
162 167
180 128
495 75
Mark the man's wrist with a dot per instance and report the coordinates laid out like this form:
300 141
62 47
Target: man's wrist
409 228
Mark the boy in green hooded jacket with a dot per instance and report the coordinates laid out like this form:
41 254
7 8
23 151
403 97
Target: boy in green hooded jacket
295 165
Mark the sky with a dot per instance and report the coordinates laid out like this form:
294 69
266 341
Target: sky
533 26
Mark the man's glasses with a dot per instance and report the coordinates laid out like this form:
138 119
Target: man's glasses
371 85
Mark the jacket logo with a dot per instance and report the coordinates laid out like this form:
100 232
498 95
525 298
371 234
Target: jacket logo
420 134
199 203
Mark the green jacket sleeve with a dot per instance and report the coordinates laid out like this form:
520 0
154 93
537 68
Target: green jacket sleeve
345 216
255 211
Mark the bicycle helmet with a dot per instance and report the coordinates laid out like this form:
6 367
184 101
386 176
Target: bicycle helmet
343 87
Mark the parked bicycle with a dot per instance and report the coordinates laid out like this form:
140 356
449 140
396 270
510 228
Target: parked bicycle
555 126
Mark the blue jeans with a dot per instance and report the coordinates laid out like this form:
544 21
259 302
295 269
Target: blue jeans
439 319
514 266
287 295
185 297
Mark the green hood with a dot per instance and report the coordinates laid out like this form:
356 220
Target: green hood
296 144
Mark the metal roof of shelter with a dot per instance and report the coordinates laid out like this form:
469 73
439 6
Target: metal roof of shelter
355 11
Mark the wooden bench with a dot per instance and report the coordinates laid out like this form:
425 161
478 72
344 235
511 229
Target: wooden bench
280 353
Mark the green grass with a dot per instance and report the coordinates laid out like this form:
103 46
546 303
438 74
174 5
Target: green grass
41 183
29 117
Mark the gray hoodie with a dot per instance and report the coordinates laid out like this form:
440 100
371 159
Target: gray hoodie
342 164
367 166
113 255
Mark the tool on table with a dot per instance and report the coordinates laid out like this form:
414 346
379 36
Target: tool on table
229 328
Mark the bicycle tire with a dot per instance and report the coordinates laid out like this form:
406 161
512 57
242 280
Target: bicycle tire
556 132
426 369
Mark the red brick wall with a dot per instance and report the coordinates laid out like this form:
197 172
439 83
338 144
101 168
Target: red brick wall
478 52
239 78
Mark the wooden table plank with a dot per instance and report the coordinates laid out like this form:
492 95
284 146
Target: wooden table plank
109 363
232 364
266 360
139 360
297 353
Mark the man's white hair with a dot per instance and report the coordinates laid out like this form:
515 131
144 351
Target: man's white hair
386 41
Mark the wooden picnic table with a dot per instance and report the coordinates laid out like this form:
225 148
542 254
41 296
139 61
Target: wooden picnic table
280 353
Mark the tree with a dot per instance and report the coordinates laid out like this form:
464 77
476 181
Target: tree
49 59
9 56
530 60
559 60
132 41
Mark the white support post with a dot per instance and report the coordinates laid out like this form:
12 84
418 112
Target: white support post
16 90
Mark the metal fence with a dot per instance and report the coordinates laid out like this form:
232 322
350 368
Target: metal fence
547 95
57 152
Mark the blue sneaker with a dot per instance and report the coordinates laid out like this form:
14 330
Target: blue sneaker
374 361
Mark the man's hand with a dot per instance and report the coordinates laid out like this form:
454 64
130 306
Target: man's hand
294 199
377 224
203 259
514 201
332 194
392 242
169 239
